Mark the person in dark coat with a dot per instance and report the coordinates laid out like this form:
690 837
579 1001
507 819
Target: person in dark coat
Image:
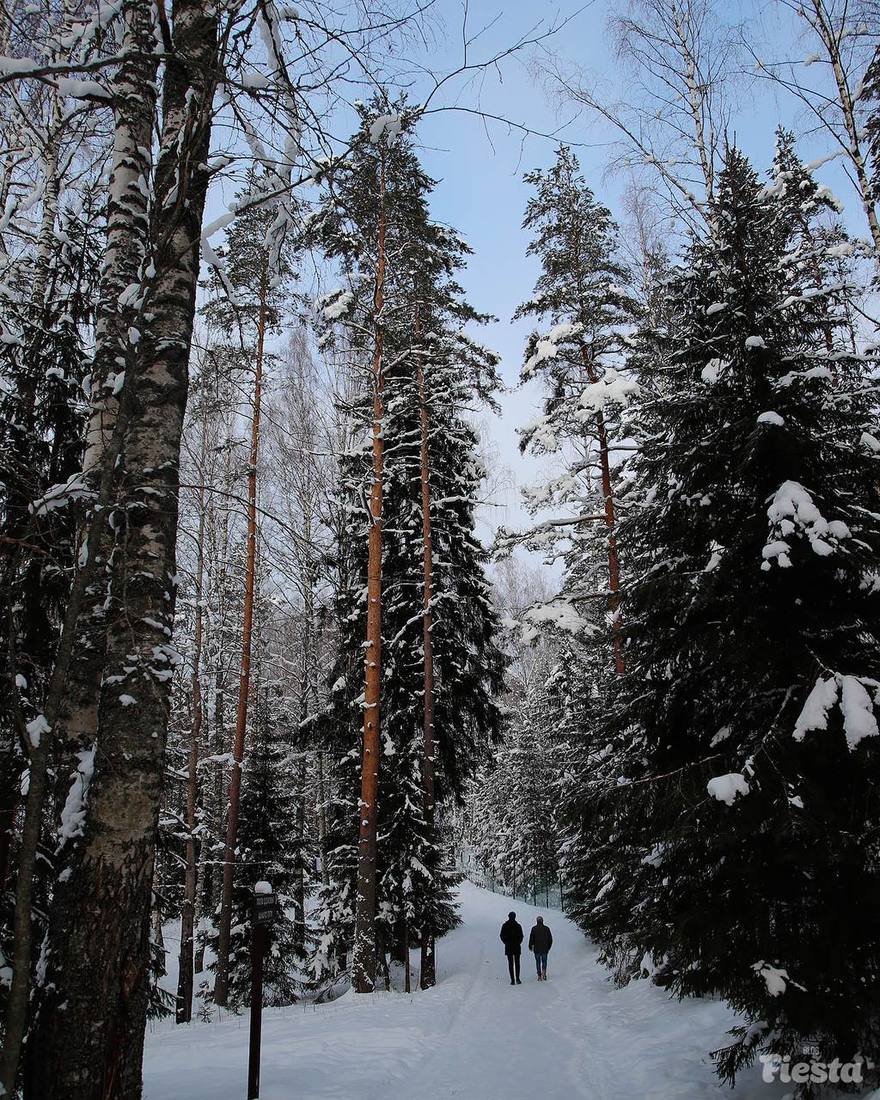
512 936
540 941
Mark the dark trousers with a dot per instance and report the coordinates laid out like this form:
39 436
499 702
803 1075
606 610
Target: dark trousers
513 965
541 963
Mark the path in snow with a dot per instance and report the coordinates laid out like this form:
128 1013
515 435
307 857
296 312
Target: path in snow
473 1037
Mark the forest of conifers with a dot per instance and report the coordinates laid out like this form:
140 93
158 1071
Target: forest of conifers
254 634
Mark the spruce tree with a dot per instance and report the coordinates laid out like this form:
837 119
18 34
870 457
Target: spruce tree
45 360
266 850
735 804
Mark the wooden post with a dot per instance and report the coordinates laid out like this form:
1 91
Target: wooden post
262 917
407 985
258 951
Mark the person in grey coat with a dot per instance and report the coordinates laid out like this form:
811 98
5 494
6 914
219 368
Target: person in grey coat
540 941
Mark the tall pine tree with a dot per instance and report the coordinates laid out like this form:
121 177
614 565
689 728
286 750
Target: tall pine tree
421 322
583 294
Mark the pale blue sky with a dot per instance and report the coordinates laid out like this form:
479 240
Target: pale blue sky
480 167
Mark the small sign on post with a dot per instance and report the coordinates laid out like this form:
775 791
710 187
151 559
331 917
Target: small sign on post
264 909
262 916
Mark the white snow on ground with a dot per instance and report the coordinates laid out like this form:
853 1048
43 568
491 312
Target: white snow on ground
473 1037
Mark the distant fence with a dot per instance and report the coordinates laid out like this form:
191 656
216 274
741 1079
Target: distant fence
548 895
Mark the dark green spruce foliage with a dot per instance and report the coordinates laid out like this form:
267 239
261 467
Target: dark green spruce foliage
513 806
265 854
44 370
871 95
732 815
415 877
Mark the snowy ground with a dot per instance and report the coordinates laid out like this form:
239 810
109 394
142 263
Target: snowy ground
473 1037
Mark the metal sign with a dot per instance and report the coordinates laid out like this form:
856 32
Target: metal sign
264 908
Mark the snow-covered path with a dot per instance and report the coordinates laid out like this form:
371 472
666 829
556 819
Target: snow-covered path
473 1037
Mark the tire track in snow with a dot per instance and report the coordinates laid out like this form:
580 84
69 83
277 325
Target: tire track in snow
456 1019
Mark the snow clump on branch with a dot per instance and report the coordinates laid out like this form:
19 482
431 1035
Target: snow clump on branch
726 788
792 511
547 347
851 694
613 387
387 127
558 613
334 305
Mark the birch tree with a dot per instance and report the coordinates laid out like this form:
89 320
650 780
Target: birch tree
831 84
126 162
678 61
101 909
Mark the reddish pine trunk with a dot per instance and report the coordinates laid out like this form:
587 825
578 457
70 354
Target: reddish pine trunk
187 915
364 960
221 982
307 689
407 980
